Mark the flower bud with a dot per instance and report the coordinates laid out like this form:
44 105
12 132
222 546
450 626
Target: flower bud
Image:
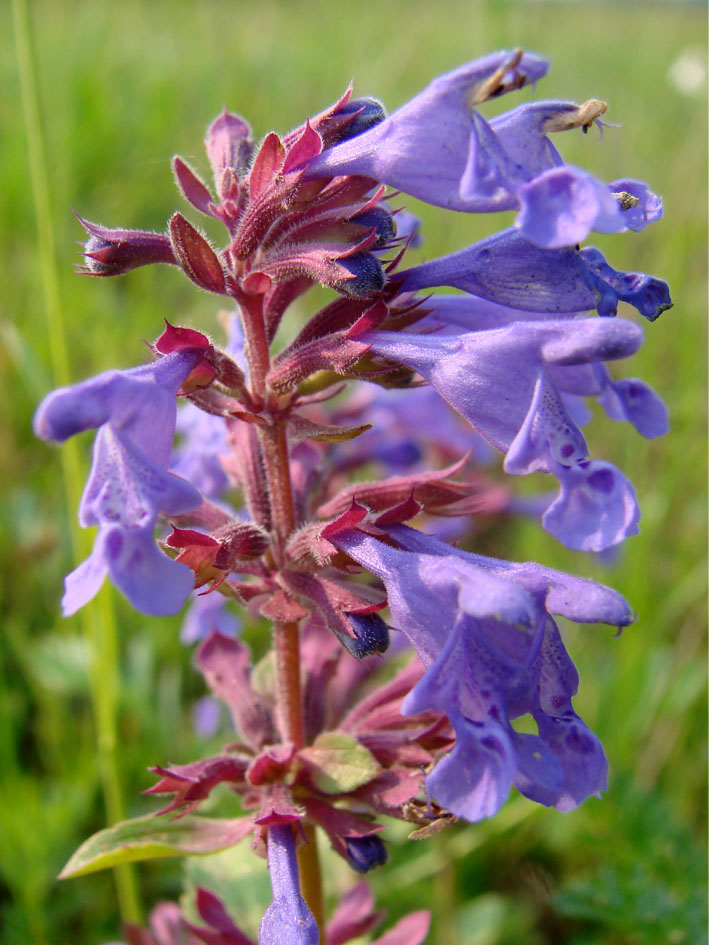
364 853
367 112
381 221
371 635
367 276
112 252
242 541
228 145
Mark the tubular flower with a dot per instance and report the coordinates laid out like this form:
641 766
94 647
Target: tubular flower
427 146
511 271
484 631
129 485
439 148
509 384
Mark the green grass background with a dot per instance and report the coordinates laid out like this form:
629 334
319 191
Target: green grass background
123 86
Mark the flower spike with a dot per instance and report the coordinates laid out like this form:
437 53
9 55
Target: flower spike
291 477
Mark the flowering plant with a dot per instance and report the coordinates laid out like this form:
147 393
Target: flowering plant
299 471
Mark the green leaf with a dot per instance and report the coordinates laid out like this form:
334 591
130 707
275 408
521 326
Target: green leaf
338 434
339 763
149 837
300 428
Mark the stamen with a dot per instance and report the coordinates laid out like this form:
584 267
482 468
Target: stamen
495 84
583 116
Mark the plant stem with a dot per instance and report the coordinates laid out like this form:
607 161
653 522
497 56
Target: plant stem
275 449
286 636
311 877
256 344
286 644
98 619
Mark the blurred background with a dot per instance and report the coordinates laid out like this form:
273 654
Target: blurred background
87 704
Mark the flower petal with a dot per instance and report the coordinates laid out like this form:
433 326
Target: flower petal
595 509
152 582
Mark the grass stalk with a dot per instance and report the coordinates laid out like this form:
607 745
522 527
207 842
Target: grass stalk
97 620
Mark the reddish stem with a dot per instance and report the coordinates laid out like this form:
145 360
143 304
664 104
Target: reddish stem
275 450
286 637
286 645
256 344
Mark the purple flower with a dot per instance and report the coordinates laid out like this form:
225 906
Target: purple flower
509 270
365 853
560 204
208 612
516 142
630 399
642 208
483 630
426 147
287 921
596 507
439 148
128 486
509 384
124 494
476 314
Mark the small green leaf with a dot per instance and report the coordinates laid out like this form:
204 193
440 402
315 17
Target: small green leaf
149 837
300 428
330 434
339 763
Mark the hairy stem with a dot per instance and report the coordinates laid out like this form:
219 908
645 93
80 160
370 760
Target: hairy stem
275 449
286 640
286 644
256 344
